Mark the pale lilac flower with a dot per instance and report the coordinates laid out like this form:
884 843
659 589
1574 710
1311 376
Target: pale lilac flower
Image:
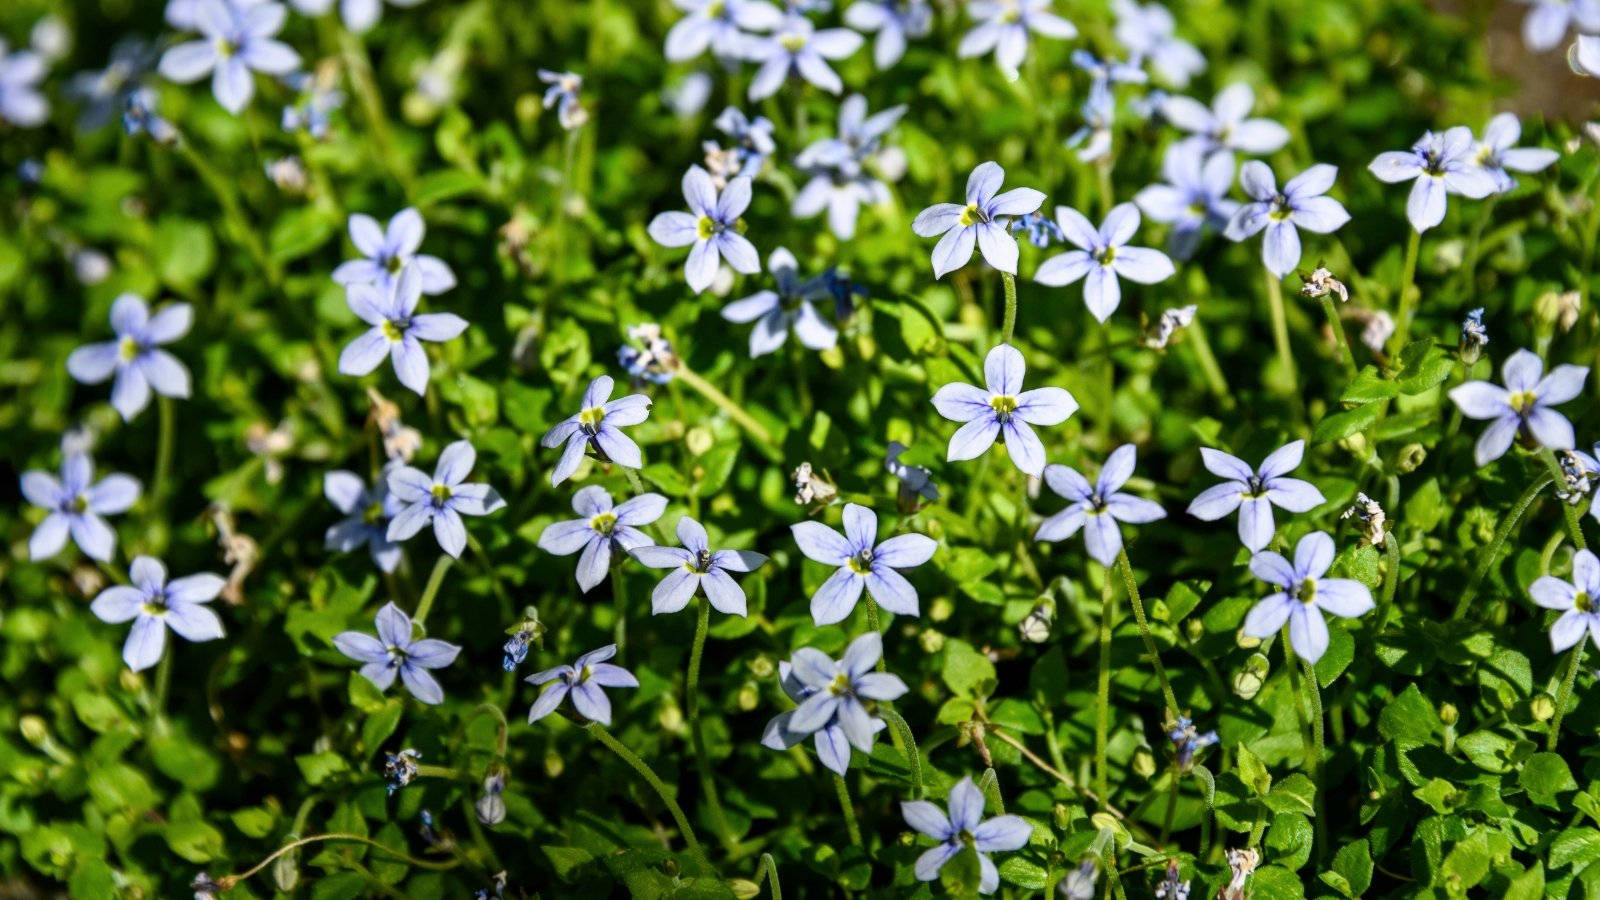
235 42
312 112
1094 140
389 250
154 605
916 482
442 499
1302 202
1039 229
601 530
1578 601
597 424
720 26
1097 508
792 305
830 696
563 92
712 225
397 330
1003 411
105 92
863 562
965 826
368 512
1004 27
1254 493
981 221
582 681
139 116
1305 597
1496 153
860 135
752 141
358 15
894 21
1226 125
1440 163
1103 255
797 48
1149 33
74 505
1194 197
135 358
1585 55
1548 20
696 566
395 652
841 189
21 102
1523 406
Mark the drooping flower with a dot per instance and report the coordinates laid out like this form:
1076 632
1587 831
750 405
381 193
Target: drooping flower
1254 493
720 26
563 91
396 652
1039 229
598 424
1548 20
135 358
154 605
1097 508
1226 125
964 827
830 696
235 43
863 563
1158 333
712 225
1187 741
1438 164
582 681
1149 33
652 358
1578 601
139 116
1005 26
1474 337
490 807
982 221
792 305
75 504
397 330
798 48
1305 597
916 482
1523 406
391 250
22 104
1302 202
105 93
1497 154
696 566
1101 257
442 499
1004 411
369 514
519 637
602 530
895 21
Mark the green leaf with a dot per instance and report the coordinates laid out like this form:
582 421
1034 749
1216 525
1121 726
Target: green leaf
1487 750
1409 716
1439 794
966 671
185 251
379 726
1343 424
1341 651
1424 366
1468 861
1575 847
1289 839
255 821
1354 863
1529 885
299 232
193 839
962 875
319 767
1025 873
1294 794
1369 386
1253 772
1543 776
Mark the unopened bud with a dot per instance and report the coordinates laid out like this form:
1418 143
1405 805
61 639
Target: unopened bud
699 440
1543 707
1448 714
1411 458
1144 763
941 609
34 730
744 888
749 696
931 641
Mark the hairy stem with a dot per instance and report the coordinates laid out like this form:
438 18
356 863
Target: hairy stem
913 759
1336 325
435 579
764 439
1010 325
1280 332
849 809
703 763
1102 720
1564 696
1507 525
666 794
1144 631
1408 293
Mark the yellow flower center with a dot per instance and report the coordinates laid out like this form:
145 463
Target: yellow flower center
1583 603
1523 401
972 215
373 514
706 228
604 523
128 349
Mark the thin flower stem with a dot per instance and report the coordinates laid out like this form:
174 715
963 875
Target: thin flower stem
1314 697
1569 511
619 605
1010 325
1067 780
1311 738
666 794
1391 581
1336 325
633 480
764 439
1112 876
769 868
1564 696
359 65
1108 601
163 684
1217 381
874 627
976 494
164 440
228 882
1280 332
245 232
1260 824
1408 292
435 578
1173 782
913 759
1507 524
703 763
1144 632
1469 268
849 809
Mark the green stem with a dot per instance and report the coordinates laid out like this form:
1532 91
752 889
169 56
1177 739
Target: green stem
1010 325
849 809
667 796
633 480
1469 268
1112 875
359 64
1280 332
164 440
1215 380
764 439
435 578
976 495
769 868
913 758
619 601
227 882
1108 599
1507 524
163 685
1564 696
1337 326
701 761
244 232
1391 580
1408 292
1260 824
1144 632
1173 781
1569 511
1314 697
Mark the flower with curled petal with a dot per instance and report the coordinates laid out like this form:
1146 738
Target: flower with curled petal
1102 256
390 249
598 425
135 361
1577 600
981 222
442 499
1193 198
396 652
1302 202
1305 597
582 681
1254 493
695 566
1522 406
712 225
964 827
863 562
75 504
1004 411
1097 508
601 530
154 605
830 697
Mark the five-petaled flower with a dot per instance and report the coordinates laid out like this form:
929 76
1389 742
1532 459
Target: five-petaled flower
863 563
1149 32
1306 595
369 513
798 48
75 504
1004 26
397 330
583 681
981 222
1225 126
1547 22
1522 406
1102 255
1098 507
718 25
712 225
1497 154
964 827
597 424
391 249
1440 163
395 652
601 530
1194 197
155 605
442 499
830 696
894 21
135 358
1578 601
1004 411
1302 202
696 566
792 305
21 102
1254 493
236 41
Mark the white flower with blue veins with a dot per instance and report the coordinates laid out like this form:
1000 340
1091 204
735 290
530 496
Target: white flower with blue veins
696 567
1439 164
1302 203
894 21
864 563
1097 508
1003 412
1193 198
604 531
1149 33
390 249
798 48
720 26
830 697
1522 406
712 226
1005 27
441 499
964 827
135 361
1547 21
1253 493
236 42
981 222
75 504
1497 154
1305 597
1101 257
397 331
153 605
1578 601
1226 124
792 306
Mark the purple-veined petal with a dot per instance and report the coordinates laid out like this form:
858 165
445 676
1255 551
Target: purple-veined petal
1547 591
1551 429
674 591
547 702
1425 207
93 363
931 861
422 685
881 686
926 818
937 219
1343 597
130 392
1274 569
962 402
1102 537
738 560
953 250
1143 265
1481 400
1321 215
1313 555
973 439
1396 166
112 495
92 535
193 622
1063 524
1002 833
984 183
119 603
145 642
1496 440
1134 510
364 354
1280 248
1268 616
837 596
1564 383
201 588
655 557
1255 523
999 248
674 229
1004 369
821 543
905 551
892 591
1308 632
966 806
1215 502
1024 447
1045 406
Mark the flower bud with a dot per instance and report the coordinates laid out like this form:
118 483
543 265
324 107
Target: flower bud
931 641
744 888
34 730
1543 707
941 609
1247 683
554 765
1448 714
699 440
749 696
1410 458
1144 763
761 666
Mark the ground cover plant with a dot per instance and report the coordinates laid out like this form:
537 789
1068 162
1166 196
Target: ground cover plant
735 448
